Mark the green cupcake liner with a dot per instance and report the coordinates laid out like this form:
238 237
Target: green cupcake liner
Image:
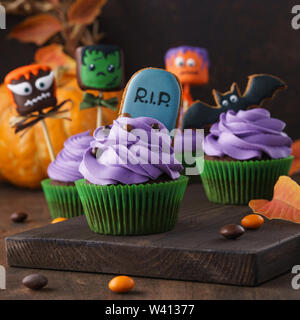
132 209
238 182
63 201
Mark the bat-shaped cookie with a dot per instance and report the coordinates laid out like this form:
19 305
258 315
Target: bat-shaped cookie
259 88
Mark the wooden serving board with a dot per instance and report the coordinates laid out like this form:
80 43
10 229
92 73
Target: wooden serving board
194 250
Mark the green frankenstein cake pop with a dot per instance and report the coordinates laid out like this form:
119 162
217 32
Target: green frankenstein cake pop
100 67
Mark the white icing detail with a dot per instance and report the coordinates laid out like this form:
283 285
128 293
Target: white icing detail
44 83
225 103
190 62
233 98
179 61
32 102
21 89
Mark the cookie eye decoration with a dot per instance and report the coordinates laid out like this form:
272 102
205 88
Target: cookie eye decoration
179 62
190 62
92 67
233 98
99 67
191 66
225 103
44 83
111 68
21 89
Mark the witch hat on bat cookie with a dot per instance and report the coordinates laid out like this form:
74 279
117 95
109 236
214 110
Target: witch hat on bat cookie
259 88
154 93
99 67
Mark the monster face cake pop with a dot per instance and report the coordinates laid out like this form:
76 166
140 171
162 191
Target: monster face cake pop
32 89
99 67
190 65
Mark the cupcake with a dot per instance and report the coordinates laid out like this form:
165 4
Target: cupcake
132 183
245 154
60 191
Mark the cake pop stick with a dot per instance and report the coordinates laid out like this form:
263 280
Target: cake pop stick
190 65
32 89
99 67
48 141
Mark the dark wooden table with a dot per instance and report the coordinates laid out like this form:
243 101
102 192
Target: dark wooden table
76 285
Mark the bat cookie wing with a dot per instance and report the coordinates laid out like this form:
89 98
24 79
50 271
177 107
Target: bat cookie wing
261 87
199 115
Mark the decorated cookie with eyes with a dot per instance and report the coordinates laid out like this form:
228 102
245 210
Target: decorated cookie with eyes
259 88
100 67
32 88
189 64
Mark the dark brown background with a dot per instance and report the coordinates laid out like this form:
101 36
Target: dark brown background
242 37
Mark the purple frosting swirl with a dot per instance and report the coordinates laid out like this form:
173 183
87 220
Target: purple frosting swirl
131 156
247 135
65 167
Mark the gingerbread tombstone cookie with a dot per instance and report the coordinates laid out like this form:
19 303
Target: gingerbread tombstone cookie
32 88
100 67
154 93
259 88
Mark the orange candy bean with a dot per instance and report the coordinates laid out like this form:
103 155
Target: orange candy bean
58 220
121 284
252 221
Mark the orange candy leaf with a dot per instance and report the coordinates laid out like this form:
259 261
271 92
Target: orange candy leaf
85 11
37 29
285 204
296 153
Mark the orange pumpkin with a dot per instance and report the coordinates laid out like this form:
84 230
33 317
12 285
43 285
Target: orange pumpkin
24 159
